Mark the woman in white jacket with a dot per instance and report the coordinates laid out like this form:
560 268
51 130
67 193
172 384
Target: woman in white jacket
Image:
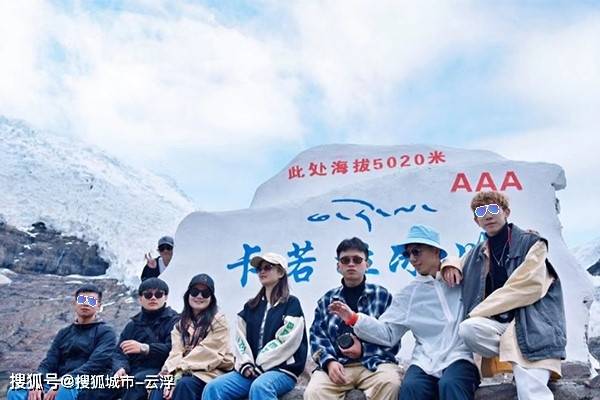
441 367
270 341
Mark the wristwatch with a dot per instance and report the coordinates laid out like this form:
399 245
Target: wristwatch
145 348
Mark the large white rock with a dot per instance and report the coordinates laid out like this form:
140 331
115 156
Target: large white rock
306 217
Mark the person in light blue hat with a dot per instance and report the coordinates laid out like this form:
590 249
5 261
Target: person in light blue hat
423 234
442 367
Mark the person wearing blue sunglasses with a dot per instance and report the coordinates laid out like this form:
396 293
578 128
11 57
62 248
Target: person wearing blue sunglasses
84 347
514 309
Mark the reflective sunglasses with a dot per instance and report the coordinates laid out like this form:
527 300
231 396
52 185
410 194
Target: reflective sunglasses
204 293
415 251
165 247
354 259
89 300
264 267
149 294
491 208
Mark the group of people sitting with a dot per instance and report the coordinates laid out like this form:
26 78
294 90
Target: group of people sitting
499 305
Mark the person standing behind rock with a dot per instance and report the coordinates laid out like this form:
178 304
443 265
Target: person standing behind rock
156 266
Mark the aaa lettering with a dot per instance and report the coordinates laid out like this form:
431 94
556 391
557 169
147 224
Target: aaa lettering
486 182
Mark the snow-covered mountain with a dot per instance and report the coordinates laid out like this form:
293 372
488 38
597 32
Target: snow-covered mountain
80 191
588 254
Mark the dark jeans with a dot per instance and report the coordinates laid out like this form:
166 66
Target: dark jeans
187 388
458 382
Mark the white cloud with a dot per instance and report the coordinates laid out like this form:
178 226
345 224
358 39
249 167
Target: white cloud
362 54
139 82
555 72
21 28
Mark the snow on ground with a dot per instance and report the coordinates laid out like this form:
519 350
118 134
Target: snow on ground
80 191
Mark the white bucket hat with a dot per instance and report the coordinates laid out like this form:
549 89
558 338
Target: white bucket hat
273 258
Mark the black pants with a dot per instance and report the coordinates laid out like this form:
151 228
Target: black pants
458 382
187 388
138 392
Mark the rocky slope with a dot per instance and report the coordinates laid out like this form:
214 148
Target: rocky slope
36 306
43 250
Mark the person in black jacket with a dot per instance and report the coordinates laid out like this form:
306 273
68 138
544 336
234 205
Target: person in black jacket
156 266
83 348
145 341
270 342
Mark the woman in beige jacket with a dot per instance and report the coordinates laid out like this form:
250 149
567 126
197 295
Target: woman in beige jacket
200 345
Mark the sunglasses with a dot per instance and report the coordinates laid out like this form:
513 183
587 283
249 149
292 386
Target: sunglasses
354 259
415 251
491 208
205 293
149 294
165 247
264 267
89 300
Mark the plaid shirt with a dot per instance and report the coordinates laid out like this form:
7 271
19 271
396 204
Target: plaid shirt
326 327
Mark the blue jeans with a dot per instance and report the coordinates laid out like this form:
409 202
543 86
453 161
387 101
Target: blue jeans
62 394
458 382
269 385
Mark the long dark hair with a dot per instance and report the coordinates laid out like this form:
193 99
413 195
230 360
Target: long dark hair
281 291
201 323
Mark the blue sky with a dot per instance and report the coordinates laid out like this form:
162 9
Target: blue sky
223 94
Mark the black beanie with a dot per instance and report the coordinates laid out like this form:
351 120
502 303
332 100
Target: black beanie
153 283
205 280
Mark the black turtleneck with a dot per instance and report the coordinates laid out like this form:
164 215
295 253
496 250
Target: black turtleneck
499 248
352 294
151 315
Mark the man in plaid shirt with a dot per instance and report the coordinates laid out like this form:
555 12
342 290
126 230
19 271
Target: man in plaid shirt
345 362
